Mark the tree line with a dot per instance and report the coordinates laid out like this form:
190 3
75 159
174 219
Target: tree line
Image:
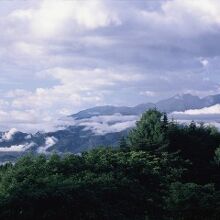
161 171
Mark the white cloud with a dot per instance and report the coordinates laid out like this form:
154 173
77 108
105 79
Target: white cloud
103 128
204 62
75 88
81 48
98 41
148 93
17 148
28 49
91 78
51 18
185 18
49 142
107 123
215 109
208 115
26 120
28 137
7 136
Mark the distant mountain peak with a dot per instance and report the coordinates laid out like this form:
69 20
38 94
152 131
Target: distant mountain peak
184 96
100 125
178 96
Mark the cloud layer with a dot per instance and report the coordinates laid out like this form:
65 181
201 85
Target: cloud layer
60 57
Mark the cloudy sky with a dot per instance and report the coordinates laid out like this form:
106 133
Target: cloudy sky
61 56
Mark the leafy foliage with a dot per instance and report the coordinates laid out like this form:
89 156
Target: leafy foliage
192 201
86 187
150 131
161 171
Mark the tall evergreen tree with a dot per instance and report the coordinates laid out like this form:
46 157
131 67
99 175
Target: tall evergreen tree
150 132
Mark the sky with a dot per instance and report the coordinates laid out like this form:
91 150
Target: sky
58 57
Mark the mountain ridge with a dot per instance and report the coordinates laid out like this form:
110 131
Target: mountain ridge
175 103
101 125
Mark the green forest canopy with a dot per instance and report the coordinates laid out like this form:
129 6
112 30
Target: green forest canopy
162 170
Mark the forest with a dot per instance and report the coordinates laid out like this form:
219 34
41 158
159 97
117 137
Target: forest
162 170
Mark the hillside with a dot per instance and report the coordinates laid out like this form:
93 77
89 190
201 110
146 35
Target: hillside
102 125
162 171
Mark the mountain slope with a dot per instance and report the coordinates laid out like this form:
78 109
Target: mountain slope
103 125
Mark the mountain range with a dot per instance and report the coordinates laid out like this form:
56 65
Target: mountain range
102 125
